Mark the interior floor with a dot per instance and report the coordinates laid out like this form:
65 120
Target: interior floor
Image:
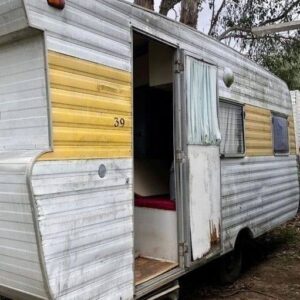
148 268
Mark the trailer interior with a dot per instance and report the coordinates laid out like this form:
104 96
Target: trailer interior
156 246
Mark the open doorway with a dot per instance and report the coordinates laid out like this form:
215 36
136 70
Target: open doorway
156 241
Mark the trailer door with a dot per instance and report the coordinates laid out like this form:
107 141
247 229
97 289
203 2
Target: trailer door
202 176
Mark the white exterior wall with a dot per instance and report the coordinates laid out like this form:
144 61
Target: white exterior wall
12 17
86 227
258 193
23 135
296 112
100 31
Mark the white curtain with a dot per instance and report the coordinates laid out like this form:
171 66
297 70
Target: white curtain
203 127
231 125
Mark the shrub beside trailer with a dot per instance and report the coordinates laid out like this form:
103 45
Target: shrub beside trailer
133 149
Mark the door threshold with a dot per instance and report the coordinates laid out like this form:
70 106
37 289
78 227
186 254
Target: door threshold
158 282
150 268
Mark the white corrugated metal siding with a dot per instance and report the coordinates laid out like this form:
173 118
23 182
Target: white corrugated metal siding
23 135
19 259
12 16
100 31
23 96
296 112
257 193
86 224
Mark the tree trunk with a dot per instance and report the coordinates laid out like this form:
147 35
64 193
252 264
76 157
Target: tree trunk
189 12
145 3
166 5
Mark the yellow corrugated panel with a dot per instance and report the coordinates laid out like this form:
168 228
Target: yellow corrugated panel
292 137
91 109
258 131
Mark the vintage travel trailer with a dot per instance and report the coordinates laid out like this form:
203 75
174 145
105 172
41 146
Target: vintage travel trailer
133 149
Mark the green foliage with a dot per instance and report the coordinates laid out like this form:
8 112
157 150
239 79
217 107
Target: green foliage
285 64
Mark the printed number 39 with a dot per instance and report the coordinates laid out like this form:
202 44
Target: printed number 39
119 122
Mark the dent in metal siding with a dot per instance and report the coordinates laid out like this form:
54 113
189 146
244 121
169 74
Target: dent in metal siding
86 225
19 260
258 131
23 136
23 100
257 193
91 109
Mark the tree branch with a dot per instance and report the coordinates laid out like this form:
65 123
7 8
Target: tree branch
166 5
282 15
215 18
233 28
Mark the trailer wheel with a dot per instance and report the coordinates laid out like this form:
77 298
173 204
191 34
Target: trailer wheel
231 266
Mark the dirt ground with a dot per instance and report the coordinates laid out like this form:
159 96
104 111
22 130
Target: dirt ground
271 271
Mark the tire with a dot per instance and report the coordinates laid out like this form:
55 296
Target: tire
231 266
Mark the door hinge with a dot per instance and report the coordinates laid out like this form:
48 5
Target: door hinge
183 249
179 66
180 156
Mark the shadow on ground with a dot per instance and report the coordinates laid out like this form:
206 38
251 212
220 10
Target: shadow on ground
271 270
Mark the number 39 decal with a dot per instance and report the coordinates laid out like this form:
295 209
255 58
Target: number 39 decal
119 122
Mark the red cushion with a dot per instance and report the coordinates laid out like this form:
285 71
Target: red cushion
157 202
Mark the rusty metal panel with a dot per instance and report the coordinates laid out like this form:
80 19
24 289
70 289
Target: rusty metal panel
86 224
258 131
258 193
91 109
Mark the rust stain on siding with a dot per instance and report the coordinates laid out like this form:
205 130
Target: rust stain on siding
214 234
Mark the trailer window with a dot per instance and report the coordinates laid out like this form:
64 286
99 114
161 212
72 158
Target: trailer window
280 134
232 129
203 127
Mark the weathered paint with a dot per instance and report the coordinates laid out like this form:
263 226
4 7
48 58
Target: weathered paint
204 198
86 227
88 101
296 113
292 135
100 31
13 17
258 131
23 135
258 193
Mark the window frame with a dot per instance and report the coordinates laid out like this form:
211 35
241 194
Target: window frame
277 114
242 106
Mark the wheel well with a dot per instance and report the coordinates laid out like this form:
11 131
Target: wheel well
243 235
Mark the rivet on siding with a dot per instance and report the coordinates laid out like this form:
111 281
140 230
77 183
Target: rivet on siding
102 171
